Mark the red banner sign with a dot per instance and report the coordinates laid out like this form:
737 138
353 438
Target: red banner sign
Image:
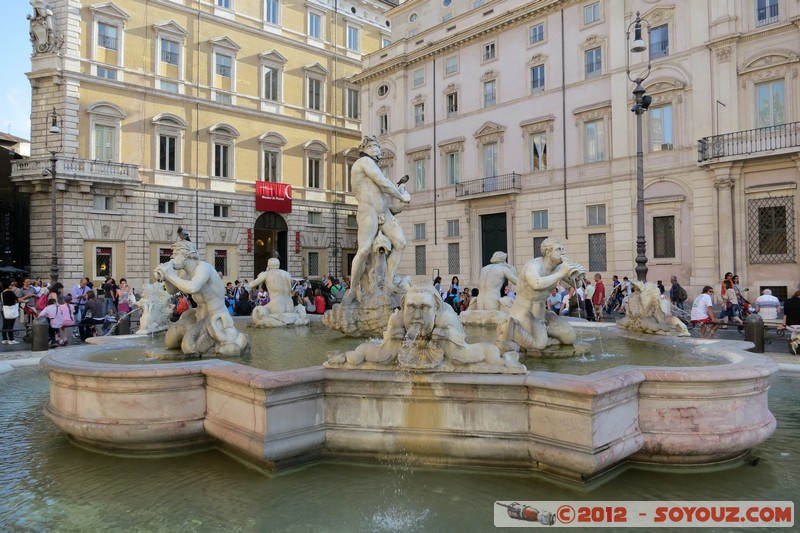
297 242
249 240
273 197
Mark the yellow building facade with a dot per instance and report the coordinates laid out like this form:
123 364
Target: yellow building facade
175 112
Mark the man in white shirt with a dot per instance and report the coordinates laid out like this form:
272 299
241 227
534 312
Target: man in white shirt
703 312
767 305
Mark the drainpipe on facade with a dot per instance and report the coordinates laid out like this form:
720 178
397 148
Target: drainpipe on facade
564 126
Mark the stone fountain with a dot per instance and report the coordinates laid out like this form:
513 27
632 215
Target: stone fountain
422 394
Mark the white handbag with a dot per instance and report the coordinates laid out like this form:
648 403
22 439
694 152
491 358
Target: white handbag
11 311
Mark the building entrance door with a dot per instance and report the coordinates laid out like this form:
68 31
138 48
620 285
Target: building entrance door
270 238
493 236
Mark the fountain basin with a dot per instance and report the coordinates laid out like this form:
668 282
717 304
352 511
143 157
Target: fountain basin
569 426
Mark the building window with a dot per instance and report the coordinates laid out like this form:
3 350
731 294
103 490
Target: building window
537 33
597 252
272 11
224 3
593 141
220 211
538 151
453 228
453 258
169 52
490 160
539 219
766 12
314 218
272 78
164 255
104 137
537 79
596 215
314 25
223 65
271 158
314 94
770 103
537 246
107 73
489 51
107 36
104 260
451 65
168 134
221 261
771 223
489 93
659 41
452 104
594 62
222 160
383 90
383 124
419 260
167 152
419 231
419 175
353 38
169 86
591 13
385 42
103 203
352 221
663 237
453 163
166 207
661 128
352 103
419 115
314 178
419 77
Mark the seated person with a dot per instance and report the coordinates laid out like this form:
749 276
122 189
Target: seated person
93 316
767 305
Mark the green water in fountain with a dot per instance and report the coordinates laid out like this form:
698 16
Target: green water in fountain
47 484
300 347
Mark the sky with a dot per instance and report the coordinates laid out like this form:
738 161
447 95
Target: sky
15 89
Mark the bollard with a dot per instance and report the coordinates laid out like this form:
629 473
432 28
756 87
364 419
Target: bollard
40 335
754 332
123 324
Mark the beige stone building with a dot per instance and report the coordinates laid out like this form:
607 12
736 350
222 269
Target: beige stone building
513 119
183 112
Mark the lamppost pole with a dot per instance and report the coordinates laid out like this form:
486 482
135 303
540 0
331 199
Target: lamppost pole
54 129
641 103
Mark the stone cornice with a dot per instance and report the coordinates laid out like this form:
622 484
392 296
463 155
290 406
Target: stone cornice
773 29
446 44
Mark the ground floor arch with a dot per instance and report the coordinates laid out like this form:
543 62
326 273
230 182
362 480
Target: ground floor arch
270 239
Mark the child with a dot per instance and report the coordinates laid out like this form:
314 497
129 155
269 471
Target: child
68 312
109 321
56 319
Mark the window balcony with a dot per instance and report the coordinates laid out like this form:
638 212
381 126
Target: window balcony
771 140
83 172
490 186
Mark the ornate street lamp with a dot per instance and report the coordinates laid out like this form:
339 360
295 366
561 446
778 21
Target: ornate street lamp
54 144
641 103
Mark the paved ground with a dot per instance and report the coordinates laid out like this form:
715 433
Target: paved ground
776 347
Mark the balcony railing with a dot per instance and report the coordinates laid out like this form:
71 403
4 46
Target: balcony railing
75 169
492 184
742 143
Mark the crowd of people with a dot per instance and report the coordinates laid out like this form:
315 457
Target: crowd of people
88 312
78 311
